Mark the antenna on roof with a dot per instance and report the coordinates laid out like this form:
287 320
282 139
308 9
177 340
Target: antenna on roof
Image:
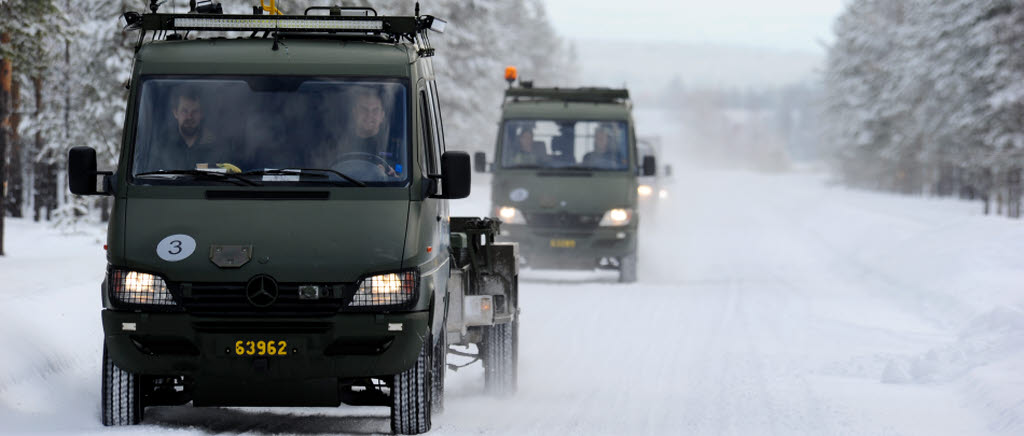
416 13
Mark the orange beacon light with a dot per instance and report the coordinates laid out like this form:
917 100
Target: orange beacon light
511 74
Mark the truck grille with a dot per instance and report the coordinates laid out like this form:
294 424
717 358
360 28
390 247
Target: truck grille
562 220
229 299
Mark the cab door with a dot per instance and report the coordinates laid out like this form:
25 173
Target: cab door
434 212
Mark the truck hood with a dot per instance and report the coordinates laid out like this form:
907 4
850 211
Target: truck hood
297 241
564 191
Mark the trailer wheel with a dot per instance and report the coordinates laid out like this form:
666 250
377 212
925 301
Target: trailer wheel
121 394
501 358
410 395
438 368
627 268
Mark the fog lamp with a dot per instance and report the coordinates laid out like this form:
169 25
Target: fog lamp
644 190
132 287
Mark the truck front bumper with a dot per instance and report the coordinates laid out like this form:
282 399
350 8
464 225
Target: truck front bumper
347 345
561 248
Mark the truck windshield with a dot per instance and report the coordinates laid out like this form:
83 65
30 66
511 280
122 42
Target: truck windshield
271 129
565 144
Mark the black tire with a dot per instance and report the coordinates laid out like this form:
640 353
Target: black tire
627 268
410 395
438 368
501 358
121 394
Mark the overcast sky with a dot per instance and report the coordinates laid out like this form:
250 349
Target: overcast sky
783 24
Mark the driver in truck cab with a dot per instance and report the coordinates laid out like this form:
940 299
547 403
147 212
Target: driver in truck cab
368 132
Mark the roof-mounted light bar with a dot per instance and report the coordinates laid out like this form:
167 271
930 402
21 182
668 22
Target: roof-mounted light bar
395 26
274 23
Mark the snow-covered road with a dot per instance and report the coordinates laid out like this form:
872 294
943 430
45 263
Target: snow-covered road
767 304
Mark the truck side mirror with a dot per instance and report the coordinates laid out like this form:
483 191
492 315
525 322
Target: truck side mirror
480 162
82 172
456 175
650 167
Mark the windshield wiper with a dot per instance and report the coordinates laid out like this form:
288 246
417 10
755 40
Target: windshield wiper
524 166
322 172
228 177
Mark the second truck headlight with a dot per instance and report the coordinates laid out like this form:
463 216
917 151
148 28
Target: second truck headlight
391 289
617 217
511 215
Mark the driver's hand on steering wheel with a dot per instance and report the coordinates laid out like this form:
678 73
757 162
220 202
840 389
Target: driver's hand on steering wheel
387 169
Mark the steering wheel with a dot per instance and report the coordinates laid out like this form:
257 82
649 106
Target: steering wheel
363 166
358 155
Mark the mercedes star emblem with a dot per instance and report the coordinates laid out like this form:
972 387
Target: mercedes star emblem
261 291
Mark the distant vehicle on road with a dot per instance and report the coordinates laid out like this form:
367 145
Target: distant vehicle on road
565 177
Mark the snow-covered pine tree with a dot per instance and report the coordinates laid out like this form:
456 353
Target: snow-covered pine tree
24 25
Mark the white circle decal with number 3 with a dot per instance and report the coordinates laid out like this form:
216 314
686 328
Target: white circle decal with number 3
176 247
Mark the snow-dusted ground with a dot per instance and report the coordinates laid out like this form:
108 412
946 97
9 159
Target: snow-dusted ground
767 304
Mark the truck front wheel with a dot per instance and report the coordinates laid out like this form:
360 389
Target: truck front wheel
501 358
122 395
440 365
627 268
410 395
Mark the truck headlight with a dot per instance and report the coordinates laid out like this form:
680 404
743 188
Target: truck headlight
133 287
391 289
644 190
617 217
511 215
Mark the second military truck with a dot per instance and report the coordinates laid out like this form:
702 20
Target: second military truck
565 174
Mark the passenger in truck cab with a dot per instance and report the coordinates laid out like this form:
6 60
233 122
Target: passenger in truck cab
607 151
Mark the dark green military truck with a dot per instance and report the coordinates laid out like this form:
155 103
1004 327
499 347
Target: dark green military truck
565 178
280 233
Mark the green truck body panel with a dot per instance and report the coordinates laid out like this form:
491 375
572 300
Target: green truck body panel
302 57
294 240
549 110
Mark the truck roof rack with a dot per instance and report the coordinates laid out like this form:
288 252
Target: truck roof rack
583 95
393 29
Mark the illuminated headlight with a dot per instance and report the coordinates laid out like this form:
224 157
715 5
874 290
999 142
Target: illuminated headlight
644 190
392 289
663 194
616 217
277 24
511 215
131 287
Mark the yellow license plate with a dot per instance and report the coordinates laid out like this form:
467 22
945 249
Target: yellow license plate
262 348
563 243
